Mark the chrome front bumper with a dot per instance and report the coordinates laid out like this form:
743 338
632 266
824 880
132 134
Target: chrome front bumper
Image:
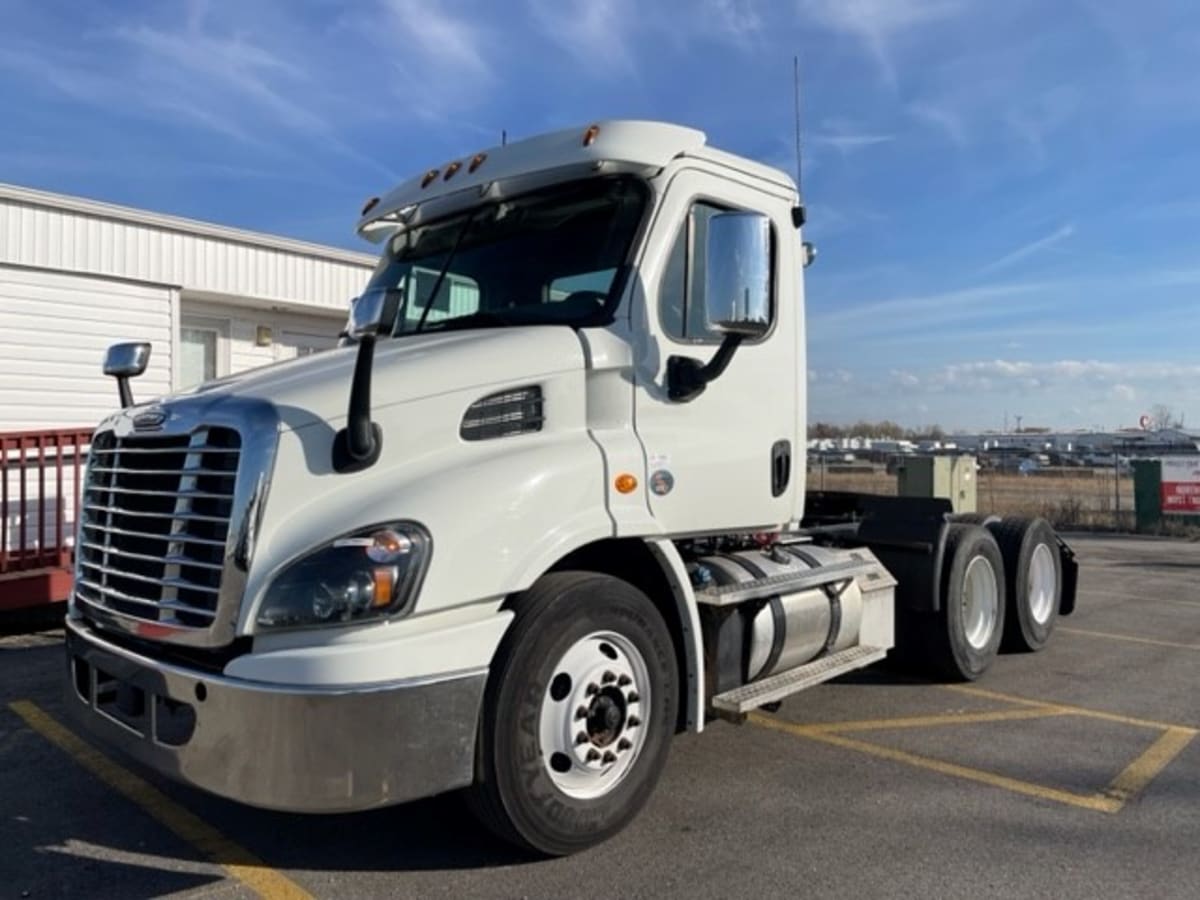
272 746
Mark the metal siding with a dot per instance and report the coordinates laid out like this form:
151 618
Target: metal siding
74 241
54 329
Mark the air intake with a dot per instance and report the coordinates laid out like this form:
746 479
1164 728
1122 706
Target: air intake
503 414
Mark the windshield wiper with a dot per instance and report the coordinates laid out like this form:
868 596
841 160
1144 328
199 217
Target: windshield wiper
474 320
437 285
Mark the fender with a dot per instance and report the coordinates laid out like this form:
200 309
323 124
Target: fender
673 569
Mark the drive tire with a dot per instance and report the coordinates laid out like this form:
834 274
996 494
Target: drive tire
965 635
515 793
1033 575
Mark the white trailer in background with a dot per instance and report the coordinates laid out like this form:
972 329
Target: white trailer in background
545 508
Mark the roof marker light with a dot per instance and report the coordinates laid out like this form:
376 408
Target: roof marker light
429 176
451 169
369 205
476 161
590 135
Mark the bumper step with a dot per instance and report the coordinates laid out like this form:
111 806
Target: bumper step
759 693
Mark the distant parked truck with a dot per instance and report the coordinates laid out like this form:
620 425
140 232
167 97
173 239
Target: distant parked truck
560 516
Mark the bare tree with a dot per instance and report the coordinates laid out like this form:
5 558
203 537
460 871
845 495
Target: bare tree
1161 416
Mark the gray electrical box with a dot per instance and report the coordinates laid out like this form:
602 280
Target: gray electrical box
952 477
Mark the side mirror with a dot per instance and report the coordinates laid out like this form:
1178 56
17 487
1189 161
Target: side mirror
372 310
125 361
737 274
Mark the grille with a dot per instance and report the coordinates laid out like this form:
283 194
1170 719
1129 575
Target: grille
155 518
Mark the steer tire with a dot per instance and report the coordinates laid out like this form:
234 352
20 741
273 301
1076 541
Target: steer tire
515 793
957 646
1034 589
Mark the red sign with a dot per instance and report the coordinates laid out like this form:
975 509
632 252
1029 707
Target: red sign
1181 485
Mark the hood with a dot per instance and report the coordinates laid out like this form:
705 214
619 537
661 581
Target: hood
317 388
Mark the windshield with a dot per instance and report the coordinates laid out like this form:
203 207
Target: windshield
553 256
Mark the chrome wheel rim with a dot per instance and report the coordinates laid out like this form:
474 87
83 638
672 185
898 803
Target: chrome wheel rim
980 603
592 726
1040 584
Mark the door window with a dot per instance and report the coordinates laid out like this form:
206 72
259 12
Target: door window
197 356
681 292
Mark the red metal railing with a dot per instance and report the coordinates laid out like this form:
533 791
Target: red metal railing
40 476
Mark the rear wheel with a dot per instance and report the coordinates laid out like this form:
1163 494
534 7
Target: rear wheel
1034 578
964 636
578 714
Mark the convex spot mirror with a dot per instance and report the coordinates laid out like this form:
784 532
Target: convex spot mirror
372 311
127 360
737 274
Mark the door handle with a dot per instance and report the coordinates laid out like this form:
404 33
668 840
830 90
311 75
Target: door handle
781 467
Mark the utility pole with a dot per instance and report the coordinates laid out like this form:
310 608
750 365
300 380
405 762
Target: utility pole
1018 418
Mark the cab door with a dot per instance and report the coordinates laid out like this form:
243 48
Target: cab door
723 460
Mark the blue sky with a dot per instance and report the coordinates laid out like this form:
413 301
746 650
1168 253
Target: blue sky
1004 194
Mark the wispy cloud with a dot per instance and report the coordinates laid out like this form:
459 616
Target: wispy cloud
594 33
1057 236
878 24
944 118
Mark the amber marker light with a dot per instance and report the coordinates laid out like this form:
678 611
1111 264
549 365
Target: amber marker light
590 135
451 169
369 205
383 579
429 176
626 483
476 162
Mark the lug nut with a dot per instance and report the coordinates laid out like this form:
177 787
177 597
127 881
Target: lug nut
608 677
632 697
609 757
633 722
592 688
624 744
593 755
623 680
581 712
581 738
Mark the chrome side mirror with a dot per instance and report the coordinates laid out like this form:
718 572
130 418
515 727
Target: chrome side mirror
125 361
372 310
737 274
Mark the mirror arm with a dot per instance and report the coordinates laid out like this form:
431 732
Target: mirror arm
687 378
357 446
124 392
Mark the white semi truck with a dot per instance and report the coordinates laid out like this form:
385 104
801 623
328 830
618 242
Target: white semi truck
542 509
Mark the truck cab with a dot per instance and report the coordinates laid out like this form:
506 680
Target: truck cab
544 507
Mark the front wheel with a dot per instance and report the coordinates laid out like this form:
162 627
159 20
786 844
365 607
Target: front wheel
578 714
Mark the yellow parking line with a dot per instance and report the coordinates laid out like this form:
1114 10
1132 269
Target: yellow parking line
1131 638
1098 802
966 718
234 859
1064 708
1146 767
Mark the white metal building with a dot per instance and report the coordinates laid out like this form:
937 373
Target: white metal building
77 275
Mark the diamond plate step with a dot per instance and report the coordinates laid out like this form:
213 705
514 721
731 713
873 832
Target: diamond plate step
788 582
768 690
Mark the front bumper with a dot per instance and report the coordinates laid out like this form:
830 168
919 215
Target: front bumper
274 746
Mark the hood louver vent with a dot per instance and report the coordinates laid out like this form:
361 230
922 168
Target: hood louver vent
506 413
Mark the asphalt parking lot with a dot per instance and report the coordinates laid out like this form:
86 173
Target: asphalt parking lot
1070 773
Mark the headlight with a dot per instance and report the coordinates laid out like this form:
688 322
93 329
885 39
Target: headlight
371 573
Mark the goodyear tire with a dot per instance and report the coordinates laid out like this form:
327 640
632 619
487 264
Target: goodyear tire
578 714
1033 574
964 636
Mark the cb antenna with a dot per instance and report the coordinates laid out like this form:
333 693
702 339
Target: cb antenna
798 211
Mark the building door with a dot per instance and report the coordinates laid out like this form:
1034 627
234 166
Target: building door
203 350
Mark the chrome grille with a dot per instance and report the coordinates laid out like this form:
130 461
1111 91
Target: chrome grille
154 524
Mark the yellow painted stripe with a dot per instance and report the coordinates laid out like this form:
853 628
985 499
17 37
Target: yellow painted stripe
1097 802
1064 708
965 718
234 859
1146 767
1133 639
